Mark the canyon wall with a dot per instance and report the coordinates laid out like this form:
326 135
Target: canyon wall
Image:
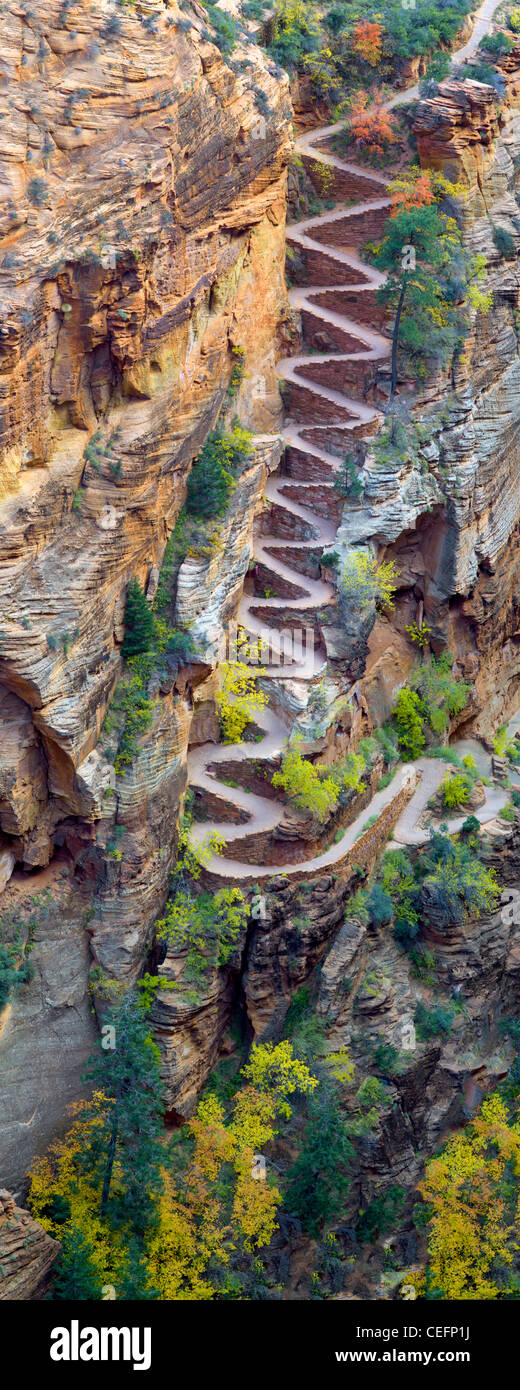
142 240
450 517
142 243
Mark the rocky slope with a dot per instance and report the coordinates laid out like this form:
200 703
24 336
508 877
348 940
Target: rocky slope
27 1253
122 310
451 520
142 240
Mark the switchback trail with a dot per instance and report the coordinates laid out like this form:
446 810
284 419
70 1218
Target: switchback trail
334 271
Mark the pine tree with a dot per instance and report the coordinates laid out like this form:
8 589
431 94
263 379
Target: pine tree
138 621
76 1277
425 273
319 1179
124 1149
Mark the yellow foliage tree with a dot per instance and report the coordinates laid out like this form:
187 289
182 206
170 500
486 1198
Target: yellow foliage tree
212 1207
238 700
196 1226
58 1189
473 1191
364 580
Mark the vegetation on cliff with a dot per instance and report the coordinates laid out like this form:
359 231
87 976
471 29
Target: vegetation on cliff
471 1206
178 1221
343 45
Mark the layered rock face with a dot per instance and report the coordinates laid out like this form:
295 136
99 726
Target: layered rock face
142 239
27 1253
450 518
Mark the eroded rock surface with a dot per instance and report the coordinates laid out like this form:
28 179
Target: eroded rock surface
27 1253
142 240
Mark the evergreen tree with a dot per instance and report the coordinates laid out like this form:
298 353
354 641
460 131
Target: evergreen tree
124 1149
319 1179
420 253
134 1283
214 472
76 1277
138 621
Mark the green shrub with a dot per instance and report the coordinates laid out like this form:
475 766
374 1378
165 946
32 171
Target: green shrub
456 884
303 785
14 971
386 1058
433 1023
505 243
407 713
483 72
130 699
398 883
225 27
380 905
381 1215
214 473
443 694
385 738
455 790
471 826
206 927
422 964
498 43
17 928
507 812
237 371
37 192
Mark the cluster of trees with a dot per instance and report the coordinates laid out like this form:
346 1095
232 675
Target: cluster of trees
447 882
429 275
184 1221
318 790
344 45
188 1219
471 1207
424 707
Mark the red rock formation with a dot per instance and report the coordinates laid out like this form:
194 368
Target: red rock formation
141 239
27 1253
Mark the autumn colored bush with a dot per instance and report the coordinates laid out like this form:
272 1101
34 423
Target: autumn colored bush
367 40
371 126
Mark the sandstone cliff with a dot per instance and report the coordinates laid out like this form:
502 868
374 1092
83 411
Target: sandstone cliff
27 1253
450 517
142 239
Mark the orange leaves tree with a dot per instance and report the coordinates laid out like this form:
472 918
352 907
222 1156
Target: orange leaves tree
367 40
370 125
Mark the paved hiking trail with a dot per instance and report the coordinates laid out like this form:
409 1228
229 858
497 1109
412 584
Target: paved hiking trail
346 414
